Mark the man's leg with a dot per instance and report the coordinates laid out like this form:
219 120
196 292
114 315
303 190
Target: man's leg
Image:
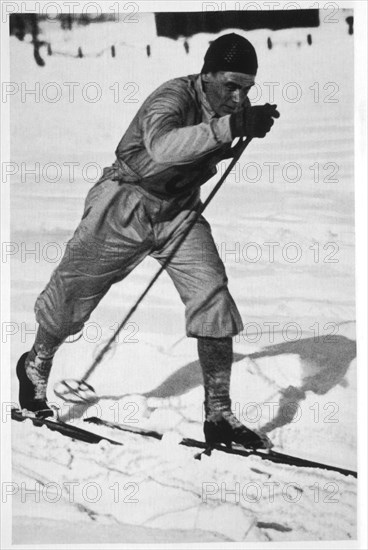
107 245
221 425
212 317
33 371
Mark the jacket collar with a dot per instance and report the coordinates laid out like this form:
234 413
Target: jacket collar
207 112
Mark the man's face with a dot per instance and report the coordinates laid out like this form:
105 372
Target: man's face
227 92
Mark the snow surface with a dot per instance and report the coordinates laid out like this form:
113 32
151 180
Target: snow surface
295 384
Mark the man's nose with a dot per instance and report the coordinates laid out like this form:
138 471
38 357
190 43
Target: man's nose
235 96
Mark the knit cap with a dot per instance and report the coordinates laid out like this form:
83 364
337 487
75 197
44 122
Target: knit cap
231 52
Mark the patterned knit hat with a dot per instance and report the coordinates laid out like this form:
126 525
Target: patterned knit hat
231 52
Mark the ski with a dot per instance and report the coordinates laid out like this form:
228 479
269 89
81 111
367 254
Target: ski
62 427
273 456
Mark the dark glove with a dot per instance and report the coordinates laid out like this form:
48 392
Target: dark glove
231 151
253 121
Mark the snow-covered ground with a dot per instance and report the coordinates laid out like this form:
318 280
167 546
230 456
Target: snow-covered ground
286 234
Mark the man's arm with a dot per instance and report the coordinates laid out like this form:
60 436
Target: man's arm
169 141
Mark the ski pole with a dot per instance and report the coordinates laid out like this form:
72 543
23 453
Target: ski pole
198 212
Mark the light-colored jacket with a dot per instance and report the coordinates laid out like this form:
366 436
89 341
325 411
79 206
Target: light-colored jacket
174 141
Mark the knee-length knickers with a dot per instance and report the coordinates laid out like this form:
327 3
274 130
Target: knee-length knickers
121 225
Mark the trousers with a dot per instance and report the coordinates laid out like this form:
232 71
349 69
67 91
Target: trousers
121 225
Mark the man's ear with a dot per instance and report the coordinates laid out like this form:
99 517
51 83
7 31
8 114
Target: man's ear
206 77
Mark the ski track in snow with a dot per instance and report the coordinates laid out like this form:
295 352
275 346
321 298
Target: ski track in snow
161 485
153 375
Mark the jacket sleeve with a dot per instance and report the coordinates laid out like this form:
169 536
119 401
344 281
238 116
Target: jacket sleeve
169 141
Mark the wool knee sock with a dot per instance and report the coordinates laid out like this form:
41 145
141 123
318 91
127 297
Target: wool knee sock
39 361
215 357
222 426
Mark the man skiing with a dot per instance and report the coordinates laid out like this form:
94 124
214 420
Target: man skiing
140 207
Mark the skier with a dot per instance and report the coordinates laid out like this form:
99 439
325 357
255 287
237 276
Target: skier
140 207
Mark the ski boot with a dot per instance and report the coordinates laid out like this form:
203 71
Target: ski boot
221 426
28 392
227 429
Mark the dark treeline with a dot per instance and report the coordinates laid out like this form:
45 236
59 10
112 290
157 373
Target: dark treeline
187 24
